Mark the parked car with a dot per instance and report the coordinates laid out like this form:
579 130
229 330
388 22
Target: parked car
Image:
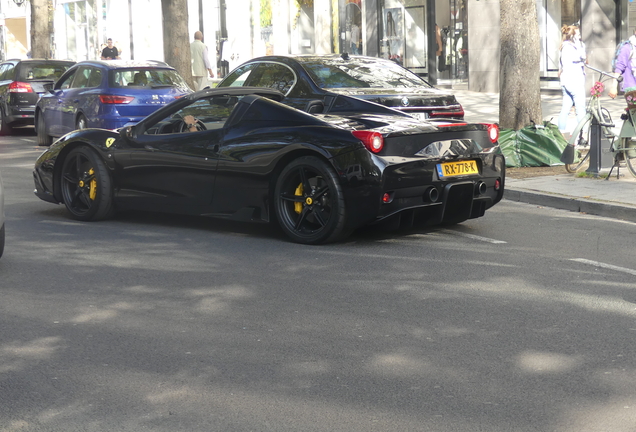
22 82
238 153
1 218
106 94
306 78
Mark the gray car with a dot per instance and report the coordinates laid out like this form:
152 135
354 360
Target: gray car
1 218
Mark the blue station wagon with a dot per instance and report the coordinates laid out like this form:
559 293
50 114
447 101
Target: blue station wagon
107 95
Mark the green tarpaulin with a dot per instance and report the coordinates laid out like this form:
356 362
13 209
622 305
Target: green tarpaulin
532 146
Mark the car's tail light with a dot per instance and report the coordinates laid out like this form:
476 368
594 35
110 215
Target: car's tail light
20 87
457 114
493 132
373 141
114 99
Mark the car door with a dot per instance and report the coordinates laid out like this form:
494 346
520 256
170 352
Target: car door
170 168
72 98
51 104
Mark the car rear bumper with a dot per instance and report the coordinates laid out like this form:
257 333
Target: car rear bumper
21 115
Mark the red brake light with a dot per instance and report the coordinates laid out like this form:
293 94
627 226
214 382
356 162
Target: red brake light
373 141
20 87
114 99
493 132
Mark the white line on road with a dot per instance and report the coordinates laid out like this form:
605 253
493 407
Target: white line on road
604 265
474 237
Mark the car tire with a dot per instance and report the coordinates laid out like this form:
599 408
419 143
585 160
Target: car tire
86 185
309 202
5 128
82 122
2 240
43 138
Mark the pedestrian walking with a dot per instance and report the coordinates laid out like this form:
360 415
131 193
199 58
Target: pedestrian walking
110 52
572 75
200 61
625 65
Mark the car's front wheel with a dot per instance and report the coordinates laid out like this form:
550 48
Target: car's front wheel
86 185
82 122
44 139
5 128
309 202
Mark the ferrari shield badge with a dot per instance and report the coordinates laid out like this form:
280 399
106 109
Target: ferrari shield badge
109 142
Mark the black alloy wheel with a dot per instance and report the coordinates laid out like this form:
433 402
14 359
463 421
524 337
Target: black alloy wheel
309 202
43 138
86 186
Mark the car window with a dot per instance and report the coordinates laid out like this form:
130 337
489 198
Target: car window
147 77
81 78
38 71
273 75
335 73
207 114
239 76
3 68
95 79
66 83
7 73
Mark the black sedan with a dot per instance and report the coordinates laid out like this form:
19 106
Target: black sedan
241 154
305 78
22 82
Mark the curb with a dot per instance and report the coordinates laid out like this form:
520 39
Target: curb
580 205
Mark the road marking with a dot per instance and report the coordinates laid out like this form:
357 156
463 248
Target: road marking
603 265
472 236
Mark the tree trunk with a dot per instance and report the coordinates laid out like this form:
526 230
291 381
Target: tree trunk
176 41
520 90
40 46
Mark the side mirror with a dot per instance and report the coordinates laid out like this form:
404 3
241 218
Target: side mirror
128 132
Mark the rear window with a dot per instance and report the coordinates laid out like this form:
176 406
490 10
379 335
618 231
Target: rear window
144 77
339 73
28 71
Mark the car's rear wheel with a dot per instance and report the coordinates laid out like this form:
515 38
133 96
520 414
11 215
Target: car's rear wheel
5 128
44 139
82 122
309 202
2 240
86 185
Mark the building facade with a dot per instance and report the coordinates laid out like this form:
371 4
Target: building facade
451 42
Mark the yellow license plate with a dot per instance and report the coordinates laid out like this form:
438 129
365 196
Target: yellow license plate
451 169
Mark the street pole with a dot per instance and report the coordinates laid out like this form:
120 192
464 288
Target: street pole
595 148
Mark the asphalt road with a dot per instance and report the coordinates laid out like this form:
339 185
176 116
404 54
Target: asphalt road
523 320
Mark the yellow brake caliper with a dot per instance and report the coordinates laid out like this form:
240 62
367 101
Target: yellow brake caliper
93 186
298 207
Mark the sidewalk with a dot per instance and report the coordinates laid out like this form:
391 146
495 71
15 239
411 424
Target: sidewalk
615 198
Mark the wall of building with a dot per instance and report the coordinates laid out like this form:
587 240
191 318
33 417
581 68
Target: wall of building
483 45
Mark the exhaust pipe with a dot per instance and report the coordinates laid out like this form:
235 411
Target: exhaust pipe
431 195
480 188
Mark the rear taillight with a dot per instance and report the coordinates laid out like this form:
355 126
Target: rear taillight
373 141
114 99
20 87
493 132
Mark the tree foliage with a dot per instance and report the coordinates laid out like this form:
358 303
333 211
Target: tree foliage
176 40
520 92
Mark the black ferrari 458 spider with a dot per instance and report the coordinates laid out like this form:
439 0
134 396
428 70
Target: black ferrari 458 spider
238 153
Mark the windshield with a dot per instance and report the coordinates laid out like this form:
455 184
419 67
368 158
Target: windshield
338 73
144 77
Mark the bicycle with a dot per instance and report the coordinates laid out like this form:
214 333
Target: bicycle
579 142
622 145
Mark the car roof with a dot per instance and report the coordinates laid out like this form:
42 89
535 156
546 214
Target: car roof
319 57
39 60
125 64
